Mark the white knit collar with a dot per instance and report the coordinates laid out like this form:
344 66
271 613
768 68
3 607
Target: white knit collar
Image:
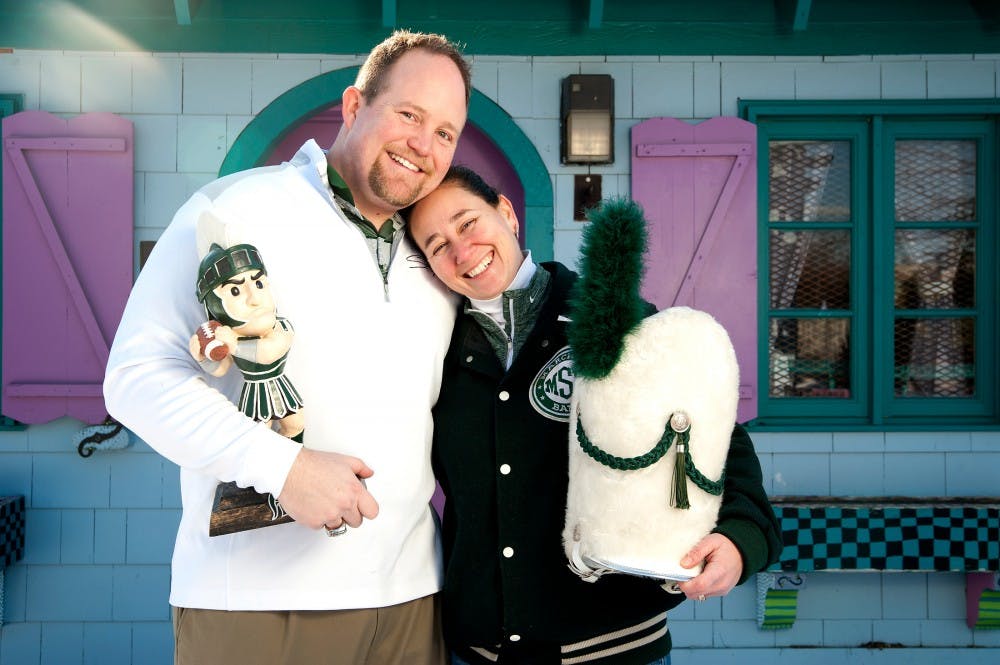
494 306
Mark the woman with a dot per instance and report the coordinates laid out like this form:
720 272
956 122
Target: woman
501 458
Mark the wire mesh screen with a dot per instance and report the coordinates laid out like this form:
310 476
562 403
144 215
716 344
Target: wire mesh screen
934 268
810 357
809 181
934 272
810 268
934 357
935 180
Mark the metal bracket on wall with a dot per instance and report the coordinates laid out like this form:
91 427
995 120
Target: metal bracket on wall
586 195
109 435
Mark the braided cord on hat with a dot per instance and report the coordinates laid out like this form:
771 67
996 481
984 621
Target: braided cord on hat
713 487
652 456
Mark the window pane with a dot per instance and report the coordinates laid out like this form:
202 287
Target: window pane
934 358
810 269
810 357
809 181
935 268
935 181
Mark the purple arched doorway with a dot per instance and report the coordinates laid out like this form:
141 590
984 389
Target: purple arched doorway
475 150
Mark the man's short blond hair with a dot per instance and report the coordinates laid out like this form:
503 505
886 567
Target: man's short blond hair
371 78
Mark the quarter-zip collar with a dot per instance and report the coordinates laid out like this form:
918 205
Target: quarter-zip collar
382 242
507 319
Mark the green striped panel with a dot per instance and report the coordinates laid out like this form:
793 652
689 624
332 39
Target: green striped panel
779 608
989 609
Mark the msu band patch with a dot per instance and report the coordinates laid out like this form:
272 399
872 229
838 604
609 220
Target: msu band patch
553 386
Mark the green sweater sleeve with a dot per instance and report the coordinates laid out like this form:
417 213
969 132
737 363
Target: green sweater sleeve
746 516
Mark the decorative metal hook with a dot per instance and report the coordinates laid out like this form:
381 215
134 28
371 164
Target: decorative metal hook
89 444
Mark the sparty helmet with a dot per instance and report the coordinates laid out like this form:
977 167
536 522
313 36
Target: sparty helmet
220 265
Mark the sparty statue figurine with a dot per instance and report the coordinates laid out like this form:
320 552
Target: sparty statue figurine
243 328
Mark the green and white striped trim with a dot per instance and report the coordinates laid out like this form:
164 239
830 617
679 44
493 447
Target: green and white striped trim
604 645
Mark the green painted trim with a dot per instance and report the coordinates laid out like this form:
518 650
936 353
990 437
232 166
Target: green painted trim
877 124
828 410
523 28
265 131
878 300
595 15
754 110
9 105
388 13
182 8
983 133
801 18
259 137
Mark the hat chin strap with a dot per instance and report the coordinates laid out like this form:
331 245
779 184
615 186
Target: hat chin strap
584 570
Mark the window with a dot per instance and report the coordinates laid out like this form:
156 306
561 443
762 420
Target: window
877 235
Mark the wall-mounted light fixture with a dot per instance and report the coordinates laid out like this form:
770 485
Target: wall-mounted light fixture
587 119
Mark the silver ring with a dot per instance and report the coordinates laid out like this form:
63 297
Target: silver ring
701 597
339 531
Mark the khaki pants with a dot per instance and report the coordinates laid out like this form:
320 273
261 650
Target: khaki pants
405 634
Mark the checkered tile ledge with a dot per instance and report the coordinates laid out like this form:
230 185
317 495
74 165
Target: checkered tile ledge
11 536
883 534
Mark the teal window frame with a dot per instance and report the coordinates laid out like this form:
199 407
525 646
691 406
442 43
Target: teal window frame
872 127
9 105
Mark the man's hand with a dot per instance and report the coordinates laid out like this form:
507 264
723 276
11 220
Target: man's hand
326 489
723 567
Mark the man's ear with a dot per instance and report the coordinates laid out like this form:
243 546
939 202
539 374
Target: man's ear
350 103
506 209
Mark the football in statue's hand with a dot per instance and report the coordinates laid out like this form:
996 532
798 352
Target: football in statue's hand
210 346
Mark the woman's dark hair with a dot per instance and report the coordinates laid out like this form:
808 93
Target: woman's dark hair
467 179
472 182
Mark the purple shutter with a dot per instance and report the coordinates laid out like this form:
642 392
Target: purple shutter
697 185
67 260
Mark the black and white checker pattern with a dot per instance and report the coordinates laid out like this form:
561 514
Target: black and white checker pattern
920 538
11 529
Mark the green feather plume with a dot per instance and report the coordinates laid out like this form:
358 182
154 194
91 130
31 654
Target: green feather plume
605 304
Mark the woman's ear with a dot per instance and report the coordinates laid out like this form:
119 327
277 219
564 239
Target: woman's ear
506 209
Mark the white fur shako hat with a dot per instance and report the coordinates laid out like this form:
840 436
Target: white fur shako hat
653 407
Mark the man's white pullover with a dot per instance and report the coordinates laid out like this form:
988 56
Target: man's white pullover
367 360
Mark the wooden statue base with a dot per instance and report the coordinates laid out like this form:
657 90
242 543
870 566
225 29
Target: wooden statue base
238 509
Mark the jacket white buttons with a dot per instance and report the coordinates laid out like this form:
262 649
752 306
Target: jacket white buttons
508 552
504 395
504 469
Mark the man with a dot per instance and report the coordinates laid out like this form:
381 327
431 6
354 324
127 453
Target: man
326 225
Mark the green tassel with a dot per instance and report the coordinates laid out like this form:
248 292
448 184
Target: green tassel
680 472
